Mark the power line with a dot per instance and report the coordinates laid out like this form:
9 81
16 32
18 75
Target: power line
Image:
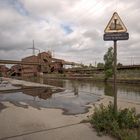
85 10
90 10
33 48
93 9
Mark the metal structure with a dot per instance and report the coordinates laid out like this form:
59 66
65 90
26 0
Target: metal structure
33 63
17 62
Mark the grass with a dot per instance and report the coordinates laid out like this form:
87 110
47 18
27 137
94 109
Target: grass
124 124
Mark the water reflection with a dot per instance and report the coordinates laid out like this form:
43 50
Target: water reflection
108 89
126 91
42 93
72 102
75 88
75 91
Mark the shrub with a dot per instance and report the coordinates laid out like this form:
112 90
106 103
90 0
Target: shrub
119 124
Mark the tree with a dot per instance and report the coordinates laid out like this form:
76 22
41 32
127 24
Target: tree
109 59
90 66
100 65
119 65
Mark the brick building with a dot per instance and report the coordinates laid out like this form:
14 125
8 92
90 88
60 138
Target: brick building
48 64
30 70
15 70
4 71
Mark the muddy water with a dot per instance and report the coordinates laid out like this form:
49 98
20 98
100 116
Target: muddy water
71 101
125 91
74 100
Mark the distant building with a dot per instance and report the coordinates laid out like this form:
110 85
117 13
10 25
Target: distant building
15 70
30 70
48 64
57 67
3 71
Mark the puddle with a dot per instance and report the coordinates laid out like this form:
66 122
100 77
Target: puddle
72 102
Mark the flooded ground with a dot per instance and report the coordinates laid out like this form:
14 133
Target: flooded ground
71 101
125 91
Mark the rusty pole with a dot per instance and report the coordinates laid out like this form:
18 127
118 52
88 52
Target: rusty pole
115 70
115 75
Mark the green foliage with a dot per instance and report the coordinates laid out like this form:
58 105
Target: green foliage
108 59
119 124
100 65
108 73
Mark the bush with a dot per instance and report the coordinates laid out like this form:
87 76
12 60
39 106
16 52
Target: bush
120 124
108 74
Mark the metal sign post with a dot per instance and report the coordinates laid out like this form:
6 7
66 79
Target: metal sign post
115 31
115 75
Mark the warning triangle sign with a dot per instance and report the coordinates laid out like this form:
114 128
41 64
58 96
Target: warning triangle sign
115 25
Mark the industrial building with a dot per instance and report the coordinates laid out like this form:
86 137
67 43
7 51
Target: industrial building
47 64
4 71
34 65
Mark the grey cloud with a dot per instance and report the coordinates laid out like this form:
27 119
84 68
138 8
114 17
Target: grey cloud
93 34
85 43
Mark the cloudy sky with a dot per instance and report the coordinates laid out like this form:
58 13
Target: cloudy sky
72 29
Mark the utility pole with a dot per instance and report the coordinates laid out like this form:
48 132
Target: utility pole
33 48
115 75
115 70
